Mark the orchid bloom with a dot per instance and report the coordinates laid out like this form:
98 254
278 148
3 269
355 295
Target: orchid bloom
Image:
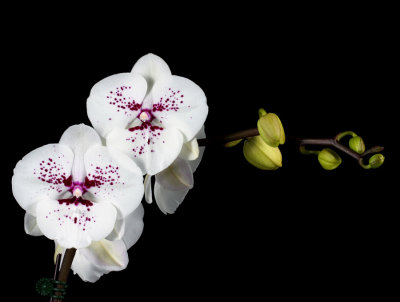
148 113
172 184
105 256
77 191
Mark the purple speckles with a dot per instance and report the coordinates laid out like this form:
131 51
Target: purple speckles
107 175
150 118
122 102
171 101
148 126
75 201
51 172
104 177
149 135
68 181
73 211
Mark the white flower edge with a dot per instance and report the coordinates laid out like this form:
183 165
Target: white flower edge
105 256
172 110
50 184
172 184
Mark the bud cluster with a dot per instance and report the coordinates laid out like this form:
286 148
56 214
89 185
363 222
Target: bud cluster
330 160
262 150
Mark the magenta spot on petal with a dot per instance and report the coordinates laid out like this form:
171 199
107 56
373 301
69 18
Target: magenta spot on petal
122 100
76 201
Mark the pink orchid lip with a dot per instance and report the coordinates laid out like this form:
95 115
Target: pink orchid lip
146 117
78 189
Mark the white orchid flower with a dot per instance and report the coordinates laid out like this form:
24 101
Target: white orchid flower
172 184
148 113
77 191
105 256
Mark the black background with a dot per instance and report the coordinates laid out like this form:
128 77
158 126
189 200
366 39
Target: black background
299 232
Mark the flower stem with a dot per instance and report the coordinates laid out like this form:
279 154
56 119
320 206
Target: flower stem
329 142
332 142
228 138
65 268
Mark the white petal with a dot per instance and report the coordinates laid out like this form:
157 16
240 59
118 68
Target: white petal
180 103
190 150
40 174
148 193
80 138
201 134
133 227
114 178
153 149
195 163
177 177
152 68
108 255
118 230
85 269
168 200
75 225
31 227
115 101
100 258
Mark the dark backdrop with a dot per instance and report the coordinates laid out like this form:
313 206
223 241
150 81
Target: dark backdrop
299 232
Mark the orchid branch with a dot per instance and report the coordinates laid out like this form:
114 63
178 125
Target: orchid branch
219 140
331 142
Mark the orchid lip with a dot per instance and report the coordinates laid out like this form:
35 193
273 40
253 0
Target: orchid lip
77 188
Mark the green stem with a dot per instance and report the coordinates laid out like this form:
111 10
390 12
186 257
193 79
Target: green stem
303 150
343 134
332 142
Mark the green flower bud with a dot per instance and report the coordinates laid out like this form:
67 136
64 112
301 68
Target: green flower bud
261 112
232 143
329 159
376 160
261 155
270 128
357 144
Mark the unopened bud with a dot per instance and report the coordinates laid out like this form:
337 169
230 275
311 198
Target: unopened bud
261 155
357 144
270 128
329 159
376 160
232 143
261 112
